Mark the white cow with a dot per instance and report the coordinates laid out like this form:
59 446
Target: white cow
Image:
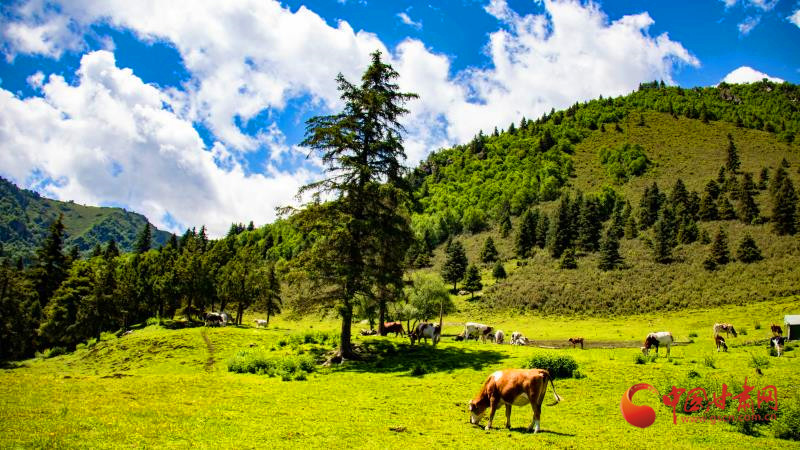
225 318
479 330
499 337
777 342
657 339
426 331
518 339
260 323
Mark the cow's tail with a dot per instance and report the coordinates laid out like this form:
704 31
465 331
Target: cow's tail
558 399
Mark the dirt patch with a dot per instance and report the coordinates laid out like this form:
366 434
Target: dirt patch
210 361
588 344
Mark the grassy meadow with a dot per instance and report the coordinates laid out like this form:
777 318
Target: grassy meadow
171 388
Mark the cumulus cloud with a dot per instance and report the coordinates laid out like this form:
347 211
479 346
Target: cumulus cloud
795 18
109 137
747 74
764 5
253 56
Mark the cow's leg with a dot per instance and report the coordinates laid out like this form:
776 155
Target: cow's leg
494 404
508 415
669 346
537 413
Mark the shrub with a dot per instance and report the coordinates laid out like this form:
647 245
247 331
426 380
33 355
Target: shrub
693 374
709 361
107 336
787 426
559 366
757 326
53 352
759 362
624 162
640 359
259 361
743 331
419 370
693 334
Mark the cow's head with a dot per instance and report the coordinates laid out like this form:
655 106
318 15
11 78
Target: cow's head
645 351
476 411
413 336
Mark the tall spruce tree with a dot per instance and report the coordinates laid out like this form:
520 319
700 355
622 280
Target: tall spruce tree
589 225
51 267
784 208
498 271
455 264
748 251
526 234
720 253
725 208
145 239
610 257
542 228
559 237
732 162
361 149
763 178
664 234
746 207
651 202
489 251
472 280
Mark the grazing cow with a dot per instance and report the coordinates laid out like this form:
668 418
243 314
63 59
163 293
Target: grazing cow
368 332
576 340
224 318
776 329
260 323
726 327
656 339
777 342
499 337
720 341
393 327
213 319
479 330
518 339
512 387
425 331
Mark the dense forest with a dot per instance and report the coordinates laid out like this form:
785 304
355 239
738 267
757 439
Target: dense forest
610 206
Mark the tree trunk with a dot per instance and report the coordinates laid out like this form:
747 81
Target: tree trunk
268 317
381 315
345 346
239 313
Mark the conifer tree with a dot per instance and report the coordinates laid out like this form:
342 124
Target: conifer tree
498 271
748 251
631 229
713 189
708 208
763 178
568 259
489 252
664 234
505 225
144 241
526 234
589 225
609 252
51 268
784 208
472 280
559 235
725 208
720 253
455 264
97 250
777 180
732 162
112 251
687 230
542 228
705 239
650 205
679 197
272 294
746 208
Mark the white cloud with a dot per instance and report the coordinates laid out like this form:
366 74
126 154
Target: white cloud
764 5
250 56
109 138
408 21
748 24
795 18
747 74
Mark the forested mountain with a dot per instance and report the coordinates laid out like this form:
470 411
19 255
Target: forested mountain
662 199
25 217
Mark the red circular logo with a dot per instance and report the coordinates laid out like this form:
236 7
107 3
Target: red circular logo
641 416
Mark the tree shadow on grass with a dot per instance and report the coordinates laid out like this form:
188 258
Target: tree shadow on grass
381 356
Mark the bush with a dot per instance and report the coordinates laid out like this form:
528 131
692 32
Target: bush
419 370
640 359
743 331
709 361
787 426
53 352
693 334
259 361
559 366
757 326
759 362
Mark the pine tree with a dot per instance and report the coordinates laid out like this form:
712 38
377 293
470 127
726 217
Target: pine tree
687 230
559 235
526 234
679 197
720 254
542 228
568 259
609 252
748 251
631 229
651 202
705 239
51 268
746 208
272 294
505 225
472 280
455 264
713 188
144 241
725 208
777 180
489 252
664 234
97 250
112 251
498 271
763 178
784 209
732 162
708 208
251 226
589 225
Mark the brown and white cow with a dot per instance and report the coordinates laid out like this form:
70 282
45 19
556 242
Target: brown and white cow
778 342
393 327
509 387
657 339
726 327
720 341
499 337
425 331
776 329
576 340
478 330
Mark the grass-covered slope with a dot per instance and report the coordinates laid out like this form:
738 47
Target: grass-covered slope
25 217
172 388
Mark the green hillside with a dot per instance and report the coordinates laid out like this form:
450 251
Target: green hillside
474 191
25 217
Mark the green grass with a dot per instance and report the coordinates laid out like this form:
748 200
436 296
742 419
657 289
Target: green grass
172 388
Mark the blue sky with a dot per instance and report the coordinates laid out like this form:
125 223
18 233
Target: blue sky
191 111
